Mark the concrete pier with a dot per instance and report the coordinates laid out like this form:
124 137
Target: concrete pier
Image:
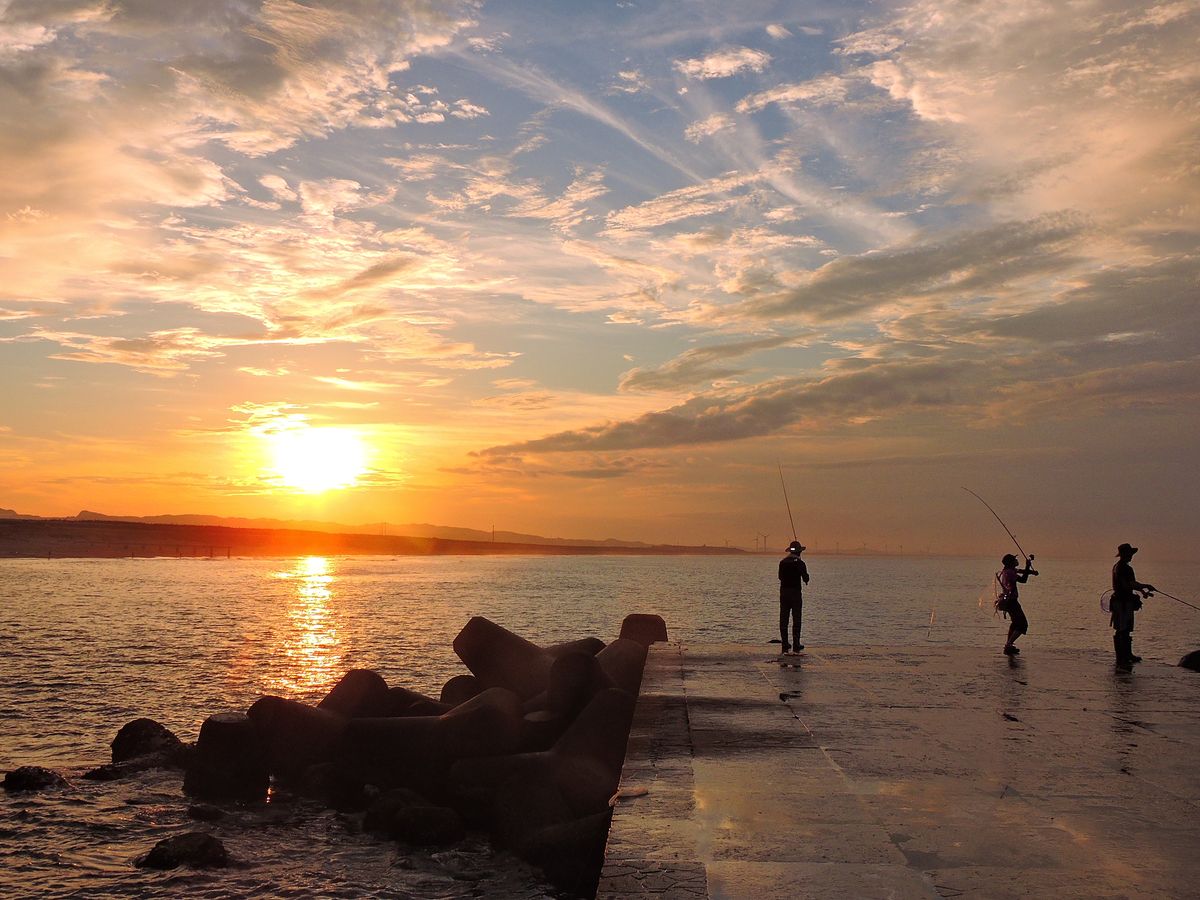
915 772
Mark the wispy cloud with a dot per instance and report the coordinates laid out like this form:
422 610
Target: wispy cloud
711 196
708 126
960 265
698 366
724 63
825 90
885 388
161 353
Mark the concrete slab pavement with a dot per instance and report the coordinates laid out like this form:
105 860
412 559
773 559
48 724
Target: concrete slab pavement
910 772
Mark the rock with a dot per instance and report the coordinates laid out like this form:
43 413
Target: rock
623 661
336 785
499 658
584 764
488 724
460 688
574 679
643 628
601 731
589 645
586 784
524 805
1191 661
361 692
107 772
478 780
194 848
540 729
393 751
204 812
384 808
403 702
474 805
143 737
413 750
571 853
229 762
33 778
295 735
428 826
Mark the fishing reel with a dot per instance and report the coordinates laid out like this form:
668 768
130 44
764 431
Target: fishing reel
1029 564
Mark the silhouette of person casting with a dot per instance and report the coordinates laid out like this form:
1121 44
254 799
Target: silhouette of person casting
793 575
1007 602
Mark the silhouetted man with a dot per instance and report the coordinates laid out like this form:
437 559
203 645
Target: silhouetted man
793 575
1007 603
1124 603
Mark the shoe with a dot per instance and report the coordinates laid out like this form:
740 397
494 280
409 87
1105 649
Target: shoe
799 647
787 651
1134 659
1010 650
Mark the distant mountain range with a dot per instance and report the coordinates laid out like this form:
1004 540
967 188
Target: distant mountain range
444 532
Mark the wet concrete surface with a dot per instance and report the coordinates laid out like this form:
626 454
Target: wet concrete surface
914 772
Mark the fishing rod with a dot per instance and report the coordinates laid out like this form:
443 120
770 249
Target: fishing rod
785 500
1028 557
1106 599
1176 599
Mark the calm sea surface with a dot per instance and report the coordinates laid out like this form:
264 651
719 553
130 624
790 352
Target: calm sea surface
86 645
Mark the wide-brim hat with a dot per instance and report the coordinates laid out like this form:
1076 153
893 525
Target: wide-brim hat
1126 548
796 547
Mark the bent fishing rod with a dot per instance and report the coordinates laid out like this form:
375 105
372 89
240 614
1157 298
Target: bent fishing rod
785 500
1028 557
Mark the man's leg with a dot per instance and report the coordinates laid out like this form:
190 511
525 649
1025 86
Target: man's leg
797 621
1017 627
1129 655
1123 642
784 607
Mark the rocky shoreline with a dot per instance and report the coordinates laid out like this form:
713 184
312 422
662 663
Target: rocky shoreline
526 748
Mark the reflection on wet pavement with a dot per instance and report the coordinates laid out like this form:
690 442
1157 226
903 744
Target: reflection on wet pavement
944 772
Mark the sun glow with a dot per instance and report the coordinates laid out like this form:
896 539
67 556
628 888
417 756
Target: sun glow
317 459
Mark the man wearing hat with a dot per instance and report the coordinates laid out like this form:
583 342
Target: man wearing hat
1008 603
1124 603
793 575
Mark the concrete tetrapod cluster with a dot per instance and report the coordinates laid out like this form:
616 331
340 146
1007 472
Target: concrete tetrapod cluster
528 746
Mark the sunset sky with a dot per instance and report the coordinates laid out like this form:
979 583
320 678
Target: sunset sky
592 269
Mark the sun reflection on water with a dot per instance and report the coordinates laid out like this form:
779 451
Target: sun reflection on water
311 645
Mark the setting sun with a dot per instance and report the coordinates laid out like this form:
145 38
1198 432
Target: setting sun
317 459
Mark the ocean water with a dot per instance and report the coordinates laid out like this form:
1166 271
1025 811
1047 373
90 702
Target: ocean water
87 645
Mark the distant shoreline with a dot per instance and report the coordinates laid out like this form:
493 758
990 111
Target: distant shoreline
74 539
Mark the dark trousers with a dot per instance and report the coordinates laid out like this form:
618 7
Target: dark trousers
791 603
1123 645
